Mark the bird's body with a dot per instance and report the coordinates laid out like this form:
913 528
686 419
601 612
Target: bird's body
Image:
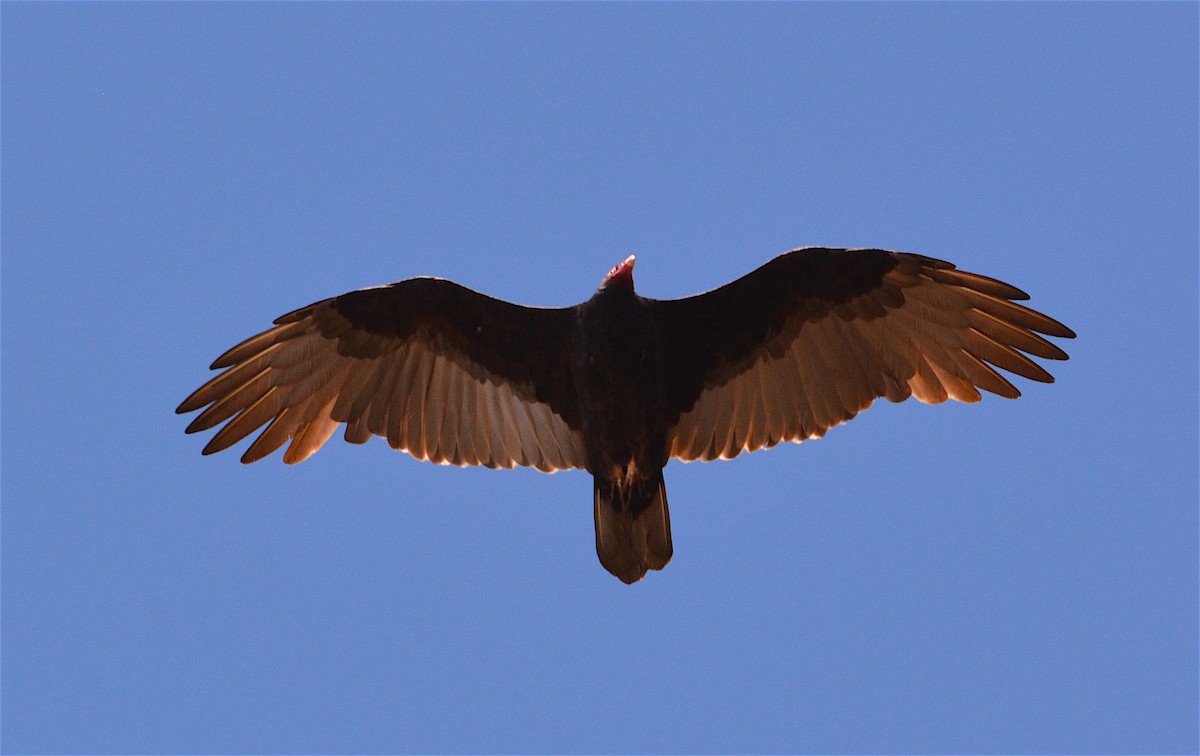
620 384
619 379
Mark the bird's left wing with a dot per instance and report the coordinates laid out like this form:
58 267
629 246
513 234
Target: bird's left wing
813 337
442 372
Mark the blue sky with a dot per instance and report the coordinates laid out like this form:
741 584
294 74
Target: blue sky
1010 576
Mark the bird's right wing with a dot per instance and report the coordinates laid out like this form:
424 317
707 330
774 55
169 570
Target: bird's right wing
442 372
813 337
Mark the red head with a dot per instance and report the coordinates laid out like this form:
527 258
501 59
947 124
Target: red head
621 276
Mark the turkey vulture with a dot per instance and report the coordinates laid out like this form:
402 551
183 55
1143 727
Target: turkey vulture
620 384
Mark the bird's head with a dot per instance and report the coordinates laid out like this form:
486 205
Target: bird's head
620 277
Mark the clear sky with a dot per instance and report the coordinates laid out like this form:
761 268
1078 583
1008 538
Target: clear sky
1009 576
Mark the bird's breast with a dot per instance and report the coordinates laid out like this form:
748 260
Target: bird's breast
619 381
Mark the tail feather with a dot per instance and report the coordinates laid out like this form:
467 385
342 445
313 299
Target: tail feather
632 536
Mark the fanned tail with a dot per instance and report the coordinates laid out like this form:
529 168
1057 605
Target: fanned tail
633 527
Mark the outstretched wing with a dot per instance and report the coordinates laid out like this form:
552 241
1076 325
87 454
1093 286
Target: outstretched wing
813 337
443 372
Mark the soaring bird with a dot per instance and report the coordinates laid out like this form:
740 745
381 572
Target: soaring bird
620 384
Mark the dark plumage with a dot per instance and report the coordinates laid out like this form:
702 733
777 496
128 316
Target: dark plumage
619 384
